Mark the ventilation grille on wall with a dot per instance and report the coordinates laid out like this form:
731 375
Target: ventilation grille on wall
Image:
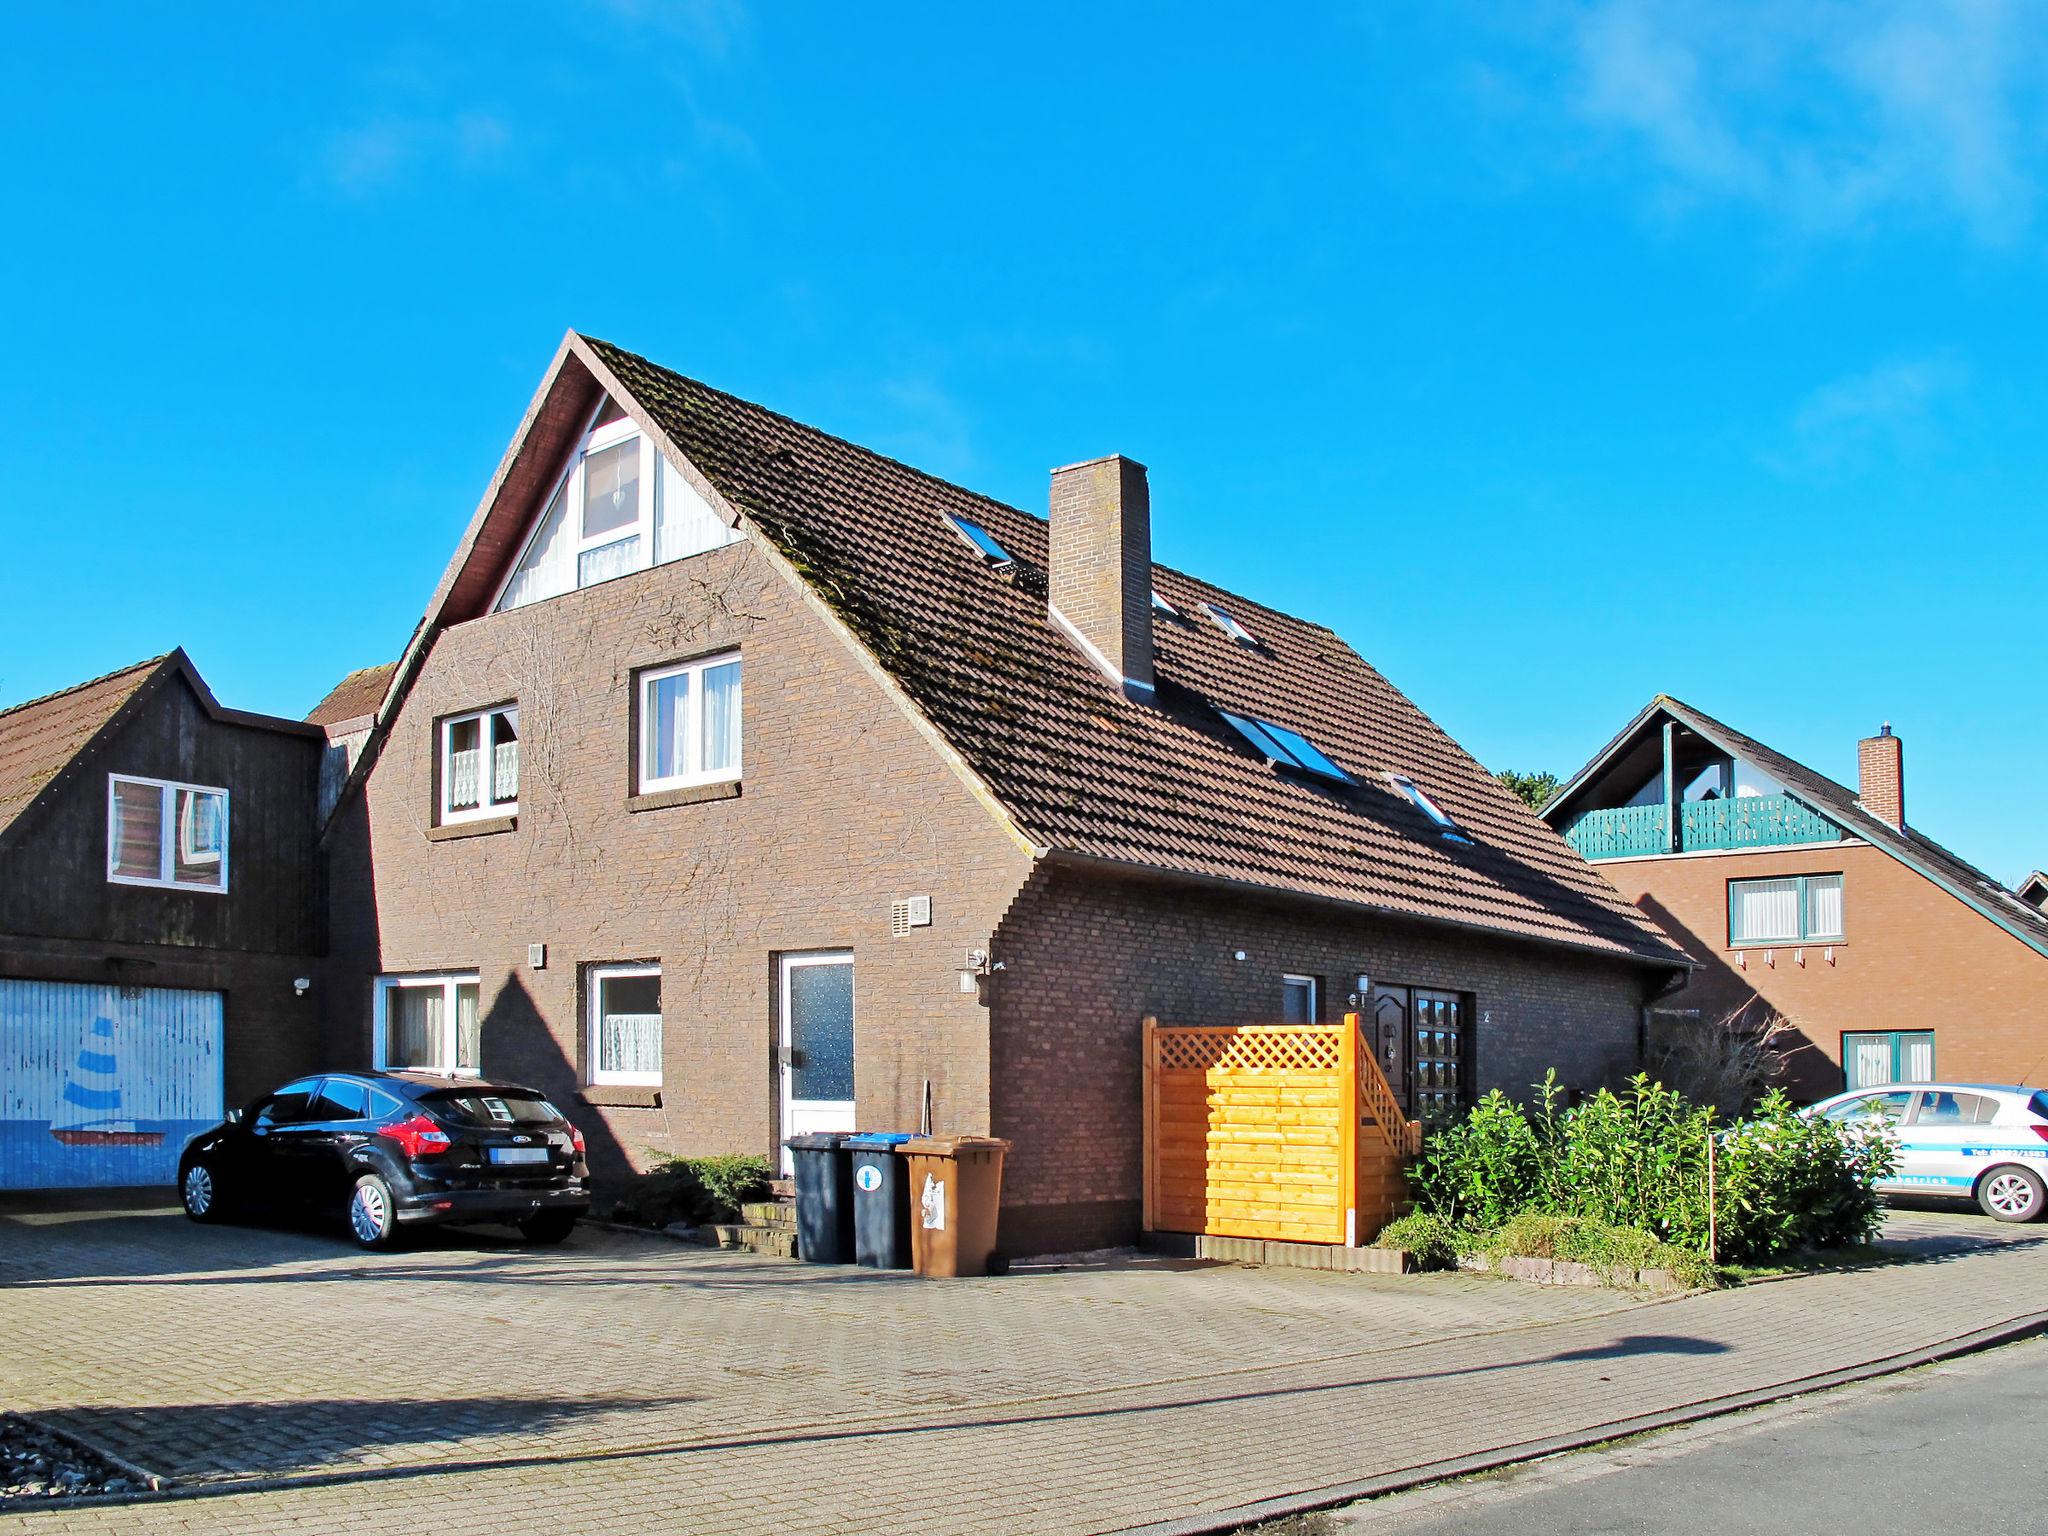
911 912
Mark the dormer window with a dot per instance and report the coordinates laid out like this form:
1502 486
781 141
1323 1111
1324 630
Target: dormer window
1223 621
982 540
1290 749
619 507
1429 808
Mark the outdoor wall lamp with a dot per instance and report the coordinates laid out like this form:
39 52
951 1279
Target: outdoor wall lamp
301 985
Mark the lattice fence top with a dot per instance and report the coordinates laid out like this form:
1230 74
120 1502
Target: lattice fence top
1252 1048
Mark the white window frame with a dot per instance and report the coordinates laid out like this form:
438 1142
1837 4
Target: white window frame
447 981
168 835
1419 798
1802 897
693 725
594 979
1224 620
1290 980
485 809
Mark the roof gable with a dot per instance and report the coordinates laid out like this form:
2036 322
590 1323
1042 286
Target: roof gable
1836 802
39 738
355 697
1072 765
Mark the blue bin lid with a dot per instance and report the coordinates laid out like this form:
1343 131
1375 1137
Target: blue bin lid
880 1140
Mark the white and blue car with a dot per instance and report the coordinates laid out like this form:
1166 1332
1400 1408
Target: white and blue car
1981 1141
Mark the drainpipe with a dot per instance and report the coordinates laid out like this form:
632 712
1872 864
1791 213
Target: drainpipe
1671 786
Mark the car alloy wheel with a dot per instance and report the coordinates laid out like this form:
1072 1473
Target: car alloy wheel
2011 1194
370 1216
199 1193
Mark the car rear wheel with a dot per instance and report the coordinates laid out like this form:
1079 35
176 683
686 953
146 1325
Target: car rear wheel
200 1191
2012 1194
373 1213
547 1227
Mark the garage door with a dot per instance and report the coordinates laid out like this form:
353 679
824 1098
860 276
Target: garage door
103 1086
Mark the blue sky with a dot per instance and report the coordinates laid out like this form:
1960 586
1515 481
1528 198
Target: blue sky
1556 362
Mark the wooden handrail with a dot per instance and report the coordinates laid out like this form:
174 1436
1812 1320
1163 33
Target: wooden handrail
1376 1098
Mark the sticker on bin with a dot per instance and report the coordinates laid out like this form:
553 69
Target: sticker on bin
868 1177
931 1205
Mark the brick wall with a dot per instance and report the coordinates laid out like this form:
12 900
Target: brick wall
1099 549
1914 958
843 807
1084 960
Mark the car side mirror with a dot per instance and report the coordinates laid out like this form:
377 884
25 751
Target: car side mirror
234 1117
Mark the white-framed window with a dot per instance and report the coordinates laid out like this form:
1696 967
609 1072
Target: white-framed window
625 1024
689 723
427 1023
166 834
1223 620
1297 999
1421 801
1797 909
480 764
619 507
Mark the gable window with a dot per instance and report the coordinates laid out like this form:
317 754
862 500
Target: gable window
1429 808
982 540
1277 744
1798 909
619 507
1223 621
689 724
625 1024
1297 999
480 765
427 1024
166 834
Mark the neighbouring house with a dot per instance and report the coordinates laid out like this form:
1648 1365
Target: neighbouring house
2034 890
1895 960
345 717
739 781
158 921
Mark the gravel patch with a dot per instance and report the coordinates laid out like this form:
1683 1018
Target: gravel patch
37 1466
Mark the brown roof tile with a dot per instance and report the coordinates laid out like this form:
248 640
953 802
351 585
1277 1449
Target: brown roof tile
1084 770
39 737
354 696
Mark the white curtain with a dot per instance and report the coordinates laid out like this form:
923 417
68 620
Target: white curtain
468 1027
684 523
1824 906
722 718
1765 911
548 568
1916 1058
607 561
1870 1061
412 1027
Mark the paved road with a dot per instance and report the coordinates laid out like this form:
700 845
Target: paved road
1954 1447
626 1384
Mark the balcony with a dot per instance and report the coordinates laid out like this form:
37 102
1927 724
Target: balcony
1748 821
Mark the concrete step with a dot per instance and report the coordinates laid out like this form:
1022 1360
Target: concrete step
782 1189
775 1242
769 1213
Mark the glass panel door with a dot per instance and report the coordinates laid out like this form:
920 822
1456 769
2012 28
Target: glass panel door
1439 1060
817 1044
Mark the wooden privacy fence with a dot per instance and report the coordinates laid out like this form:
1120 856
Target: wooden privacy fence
1285 1131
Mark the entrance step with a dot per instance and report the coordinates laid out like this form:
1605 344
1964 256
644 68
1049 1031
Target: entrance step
774 1242
782 1189
769 1213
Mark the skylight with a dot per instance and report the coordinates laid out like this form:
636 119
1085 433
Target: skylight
983 540
1429 807
1162 604
1290 748
1228 625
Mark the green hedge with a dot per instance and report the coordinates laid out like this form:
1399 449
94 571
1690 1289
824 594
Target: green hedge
696 1190
1638 1160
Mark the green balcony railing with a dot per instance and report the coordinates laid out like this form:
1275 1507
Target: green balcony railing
1747 821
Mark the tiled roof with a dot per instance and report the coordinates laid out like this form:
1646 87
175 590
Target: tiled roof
1083 770
1843 806
39 737
354 696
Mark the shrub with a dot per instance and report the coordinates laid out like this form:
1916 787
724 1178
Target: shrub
1637 1160
696 1190
1617 1254
1432 1240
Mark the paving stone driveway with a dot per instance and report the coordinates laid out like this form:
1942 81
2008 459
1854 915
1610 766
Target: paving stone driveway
627 1383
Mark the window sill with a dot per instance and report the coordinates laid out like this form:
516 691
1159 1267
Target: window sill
484 828
689 794
619 1096
1743 947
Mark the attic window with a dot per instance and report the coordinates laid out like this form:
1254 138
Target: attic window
1228 625
982 540
1429 808
1291 749
1163 605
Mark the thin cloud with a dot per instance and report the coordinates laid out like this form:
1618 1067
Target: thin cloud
387 152
1864 418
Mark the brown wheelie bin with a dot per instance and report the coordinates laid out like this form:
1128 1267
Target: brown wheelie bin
956 1188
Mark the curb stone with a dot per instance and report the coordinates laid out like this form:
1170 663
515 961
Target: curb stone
1337 1495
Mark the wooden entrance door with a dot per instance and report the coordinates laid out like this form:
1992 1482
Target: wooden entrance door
1389 1041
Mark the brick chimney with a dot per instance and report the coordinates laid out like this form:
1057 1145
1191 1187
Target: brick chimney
1100 582
1881 776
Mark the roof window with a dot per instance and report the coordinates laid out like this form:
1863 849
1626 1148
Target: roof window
1290 749
982 540
1429 808
1228 625
1163 605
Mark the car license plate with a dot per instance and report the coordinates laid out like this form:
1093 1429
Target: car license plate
519 1154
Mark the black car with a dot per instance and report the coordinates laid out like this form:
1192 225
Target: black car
394 1149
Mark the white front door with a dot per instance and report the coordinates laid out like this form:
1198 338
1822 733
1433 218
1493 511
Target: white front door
817 1044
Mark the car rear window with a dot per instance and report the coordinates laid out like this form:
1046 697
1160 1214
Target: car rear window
483 1110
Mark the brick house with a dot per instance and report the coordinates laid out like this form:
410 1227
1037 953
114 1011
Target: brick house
2034 891
1796 895
158 921
740 781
